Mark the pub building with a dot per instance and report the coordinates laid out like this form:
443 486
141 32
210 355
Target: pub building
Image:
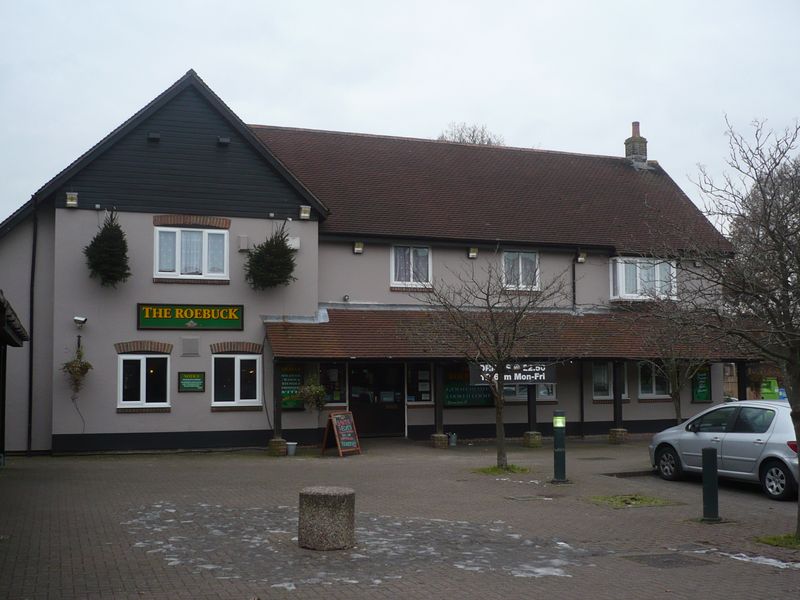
186 353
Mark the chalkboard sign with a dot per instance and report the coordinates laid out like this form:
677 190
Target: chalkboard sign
344 432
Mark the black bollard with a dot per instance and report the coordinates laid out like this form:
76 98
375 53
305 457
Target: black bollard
559 447
710 486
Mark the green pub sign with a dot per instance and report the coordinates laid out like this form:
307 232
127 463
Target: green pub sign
190 316
191 381
701 385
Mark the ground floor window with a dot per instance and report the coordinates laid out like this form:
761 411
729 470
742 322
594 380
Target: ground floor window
652 381
332 378
603 380
419 385
143 380
546 392
237 380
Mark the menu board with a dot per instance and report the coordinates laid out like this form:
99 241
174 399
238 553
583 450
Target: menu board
344 433
191 381
459 392
291 380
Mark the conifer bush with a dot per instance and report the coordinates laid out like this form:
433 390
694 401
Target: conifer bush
271 263
107 254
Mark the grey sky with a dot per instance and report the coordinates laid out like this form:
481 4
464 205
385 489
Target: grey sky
558 75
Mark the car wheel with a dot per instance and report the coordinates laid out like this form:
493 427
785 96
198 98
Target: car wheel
668 463
777 481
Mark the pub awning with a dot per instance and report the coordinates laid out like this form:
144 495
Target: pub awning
409 334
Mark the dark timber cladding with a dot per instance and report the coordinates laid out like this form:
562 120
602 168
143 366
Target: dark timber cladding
186 170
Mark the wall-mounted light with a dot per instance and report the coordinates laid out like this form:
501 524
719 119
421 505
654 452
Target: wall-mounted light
581 258
358 247
472 253
72 199
79 321
346 297
305 212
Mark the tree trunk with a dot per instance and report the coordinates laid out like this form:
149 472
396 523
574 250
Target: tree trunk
500 435
676 401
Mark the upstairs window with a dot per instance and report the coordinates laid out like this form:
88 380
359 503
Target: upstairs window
642 278
521 270
191 253
411 266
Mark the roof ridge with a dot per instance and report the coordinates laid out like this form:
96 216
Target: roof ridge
435 141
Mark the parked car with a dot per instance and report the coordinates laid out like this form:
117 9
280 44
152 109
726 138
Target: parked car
755 441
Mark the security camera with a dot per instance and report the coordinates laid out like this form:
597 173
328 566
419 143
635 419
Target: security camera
80 321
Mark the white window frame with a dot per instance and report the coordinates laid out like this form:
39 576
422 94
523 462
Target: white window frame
142 403
653 372
617 271
237 383
177 273
520 286
610 367
412 283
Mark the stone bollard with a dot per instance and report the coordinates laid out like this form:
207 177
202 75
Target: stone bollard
532 439
439 440
277 447
617 436
327 518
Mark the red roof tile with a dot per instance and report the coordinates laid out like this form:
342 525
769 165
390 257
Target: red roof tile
404 334
401 187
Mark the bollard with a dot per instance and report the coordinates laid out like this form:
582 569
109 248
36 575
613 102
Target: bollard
710 486
559 447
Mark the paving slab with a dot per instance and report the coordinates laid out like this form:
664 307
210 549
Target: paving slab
224 525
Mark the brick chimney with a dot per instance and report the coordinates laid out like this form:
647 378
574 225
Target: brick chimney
636 145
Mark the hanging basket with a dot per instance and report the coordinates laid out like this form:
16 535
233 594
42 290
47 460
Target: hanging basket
271 263
107 254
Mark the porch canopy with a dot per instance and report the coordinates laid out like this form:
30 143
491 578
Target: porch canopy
352 334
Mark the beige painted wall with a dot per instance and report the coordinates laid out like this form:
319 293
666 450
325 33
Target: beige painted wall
112 318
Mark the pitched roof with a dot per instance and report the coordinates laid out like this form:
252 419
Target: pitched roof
190 79
415 188
406 334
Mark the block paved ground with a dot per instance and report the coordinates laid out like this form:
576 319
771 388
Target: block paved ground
223 525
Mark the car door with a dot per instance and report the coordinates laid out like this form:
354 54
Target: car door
743 445
707 431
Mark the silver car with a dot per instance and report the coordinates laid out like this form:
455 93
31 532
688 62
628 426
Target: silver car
755 441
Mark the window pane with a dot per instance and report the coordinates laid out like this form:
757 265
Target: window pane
615 279
546 391
647 277
156 380
402 263
601 385
216 253
131 380
716 421
662 385
645 379
192 253
248 379
511 268
630 278
753 420
331 377
224 379
166 251
664 279
528 260
421 265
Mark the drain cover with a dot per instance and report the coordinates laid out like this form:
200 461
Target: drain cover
668 561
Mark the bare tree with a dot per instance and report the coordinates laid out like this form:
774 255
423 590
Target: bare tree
470 134
753 294
489 315
675 350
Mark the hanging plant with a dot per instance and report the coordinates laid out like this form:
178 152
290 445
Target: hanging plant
107 254
312 394
76 370
271 263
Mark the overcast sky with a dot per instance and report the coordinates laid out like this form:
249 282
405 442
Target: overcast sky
554 75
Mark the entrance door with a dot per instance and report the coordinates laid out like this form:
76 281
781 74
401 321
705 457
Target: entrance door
376 399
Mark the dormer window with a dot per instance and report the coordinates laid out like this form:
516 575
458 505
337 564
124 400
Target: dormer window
642 278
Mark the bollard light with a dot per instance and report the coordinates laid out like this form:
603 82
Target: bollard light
559 447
